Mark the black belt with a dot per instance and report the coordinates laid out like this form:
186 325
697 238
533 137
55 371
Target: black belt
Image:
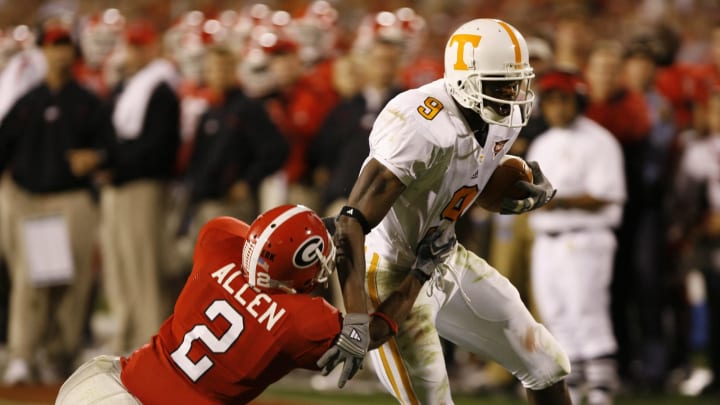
555 234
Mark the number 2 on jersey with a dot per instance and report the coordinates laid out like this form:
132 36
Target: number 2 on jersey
459 202
216 344
430 108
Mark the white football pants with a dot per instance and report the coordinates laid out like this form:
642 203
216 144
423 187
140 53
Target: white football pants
570 277
485 316
97 382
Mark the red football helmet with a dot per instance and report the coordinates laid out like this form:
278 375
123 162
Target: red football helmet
288 249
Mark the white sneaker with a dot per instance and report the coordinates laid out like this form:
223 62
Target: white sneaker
17 372
696 382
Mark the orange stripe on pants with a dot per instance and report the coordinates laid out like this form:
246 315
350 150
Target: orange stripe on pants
391 345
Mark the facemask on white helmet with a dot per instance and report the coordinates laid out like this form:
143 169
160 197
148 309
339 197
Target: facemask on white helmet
487 70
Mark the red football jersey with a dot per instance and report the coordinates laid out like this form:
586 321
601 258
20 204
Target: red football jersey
226 342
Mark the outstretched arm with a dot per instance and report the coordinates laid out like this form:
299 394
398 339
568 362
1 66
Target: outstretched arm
431 252
396 308
372 196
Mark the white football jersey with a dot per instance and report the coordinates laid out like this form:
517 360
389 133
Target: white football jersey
422 137
583 158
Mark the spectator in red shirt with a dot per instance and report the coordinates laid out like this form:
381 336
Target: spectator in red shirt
676 81
298 107
611 99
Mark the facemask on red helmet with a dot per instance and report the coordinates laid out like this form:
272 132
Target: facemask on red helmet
288 249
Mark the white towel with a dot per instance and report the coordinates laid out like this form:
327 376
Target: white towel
130 109
24 71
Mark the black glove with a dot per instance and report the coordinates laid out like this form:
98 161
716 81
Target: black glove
350 348
431 251
539 193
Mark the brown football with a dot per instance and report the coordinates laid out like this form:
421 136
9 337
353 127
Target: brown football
502 183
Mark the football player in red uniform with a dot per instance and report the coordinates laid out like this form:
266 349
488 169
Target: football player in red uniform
243 320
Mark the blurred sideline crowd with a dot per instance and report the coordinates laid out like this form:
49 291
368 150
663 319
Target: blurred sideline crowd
119 139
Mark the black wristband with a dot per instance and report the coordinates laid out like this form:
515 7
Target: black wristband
355 213
419 275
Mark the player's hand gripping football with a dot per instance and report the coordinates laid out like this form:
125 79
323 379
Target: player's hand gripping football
540 192
350 348
431 251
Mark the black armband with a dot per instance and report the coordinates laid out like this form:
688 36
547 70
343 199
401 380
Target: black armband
355 213
418 274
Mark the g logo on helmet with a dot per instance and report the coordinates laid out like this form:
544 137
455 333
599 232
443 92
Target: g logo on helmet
305 256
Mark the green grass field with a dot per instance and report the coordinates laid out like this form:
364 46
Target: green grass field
295 397
384 399
297 389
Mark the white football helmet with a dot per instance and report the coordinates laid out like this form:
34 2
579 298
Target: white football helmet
487 70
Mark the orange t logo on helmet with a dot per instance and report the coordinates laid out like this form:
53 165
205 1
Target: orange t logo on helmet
461 40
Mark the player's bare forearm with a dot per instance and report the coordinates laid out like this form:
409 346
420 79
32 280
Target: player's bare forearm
375 191
583 202
396 306
350 261
373 194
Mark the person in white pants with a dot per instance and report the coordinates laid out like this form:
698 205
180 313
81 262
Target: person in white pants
572 256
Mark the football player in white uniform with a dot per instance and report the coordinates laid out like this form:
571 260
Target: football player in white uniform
432 150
